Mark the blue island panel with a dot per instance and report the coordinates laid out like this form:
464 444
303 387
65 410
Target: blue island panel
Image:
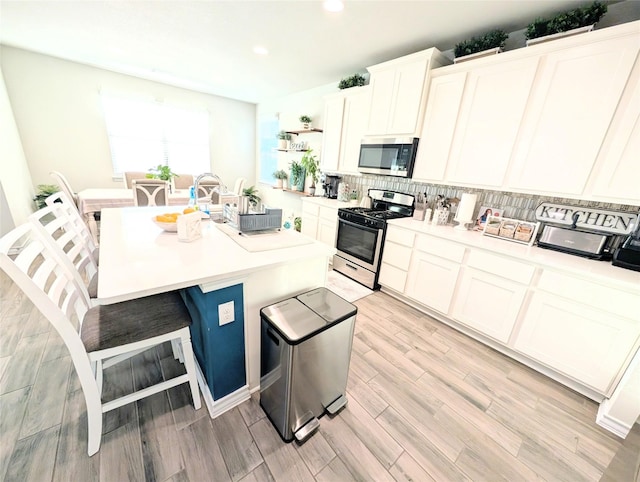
219 349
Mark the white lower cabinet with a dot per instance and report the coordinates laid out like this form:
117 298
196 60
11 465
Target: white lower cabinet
582 342
431 281
396 257
319 222
488 303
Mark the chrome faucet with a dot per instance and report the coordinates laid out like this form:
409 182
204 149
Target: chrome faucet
207 174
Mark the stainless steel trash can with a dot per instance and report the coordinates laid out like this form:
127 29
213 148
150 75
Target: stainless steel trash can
305 352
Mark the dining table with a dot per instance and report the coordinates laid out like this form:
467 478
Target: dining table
220 269
94 200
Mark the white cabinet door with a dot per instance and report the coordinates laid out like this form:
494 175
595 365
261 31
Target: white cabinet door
431 281
327 231
492 107
441 116
309 225
332 132
392 277
407 97
586 344
354 124
568 115
619 167
381 97
488 303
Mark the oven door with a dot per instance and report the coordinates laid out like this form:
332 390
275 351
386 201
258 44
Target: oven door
359 244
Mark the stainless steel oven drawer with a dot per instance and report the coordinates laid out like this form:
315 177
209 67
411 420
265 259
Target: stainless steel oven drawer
354 271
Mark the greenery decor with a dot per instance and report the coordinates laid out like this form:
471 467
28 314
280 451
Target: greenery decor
161 172
297 176
280 174
252 193
572 19
44 191
285 136
305 119
297 223
312 165
490 40
355 80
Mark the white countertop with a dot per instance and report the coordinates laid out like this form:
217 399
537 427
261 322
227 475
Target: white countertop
599 271
331 203
137 258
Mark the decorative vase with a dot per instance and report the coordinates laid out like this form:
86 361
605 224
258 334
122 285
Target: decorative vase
477 55
554 36
306 126
279 183
312 191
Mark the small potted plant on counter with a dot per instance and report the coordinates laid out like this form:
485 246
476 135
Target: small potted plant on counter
306 122
252 193
280 175
312 165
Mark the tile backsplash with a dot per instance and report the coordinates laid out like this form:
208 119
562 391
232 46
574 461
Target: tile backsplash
513 205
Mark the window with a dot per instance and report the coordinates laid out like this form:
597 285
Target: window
143 134
268 144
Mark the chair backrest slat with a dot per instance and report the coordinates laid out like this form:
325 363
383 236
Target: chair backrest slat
65 204
150 192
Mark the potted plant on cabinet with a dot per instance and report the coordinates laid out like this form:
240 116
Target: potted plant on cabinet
306 122
572 22
312 165
283 140
488 44
252 193
280 176
297 176
356 80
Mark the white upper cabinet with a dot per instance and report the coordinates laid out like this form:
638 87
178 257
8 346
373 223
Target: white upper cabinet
570 110
616 176
354 124
493 104
332 132
441 116
398 93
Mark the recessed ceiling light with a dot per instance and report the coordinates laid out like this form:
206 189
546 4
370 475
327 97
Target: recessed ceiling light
333 5
258 49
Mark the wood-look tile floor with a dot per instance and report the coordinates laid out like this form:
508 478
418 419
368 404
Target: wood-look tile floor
425 403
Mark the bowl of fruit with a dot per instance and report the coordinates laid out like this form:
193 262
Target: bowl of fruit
168 222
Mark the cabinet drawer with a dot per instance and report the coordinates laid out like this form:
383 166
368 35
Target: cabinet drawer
400 236
329 214
392 277
506 268
621 303
396 255
440 247
310 209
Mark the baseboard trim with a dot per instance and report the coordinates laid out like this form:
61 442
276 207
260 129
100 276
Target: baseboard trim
610 423
218 407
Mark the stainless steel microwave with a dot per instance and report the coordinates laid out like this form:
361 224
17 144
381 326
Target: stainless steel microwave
388 156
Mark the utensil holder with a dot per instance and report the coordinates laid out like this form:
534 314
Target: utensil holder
441 216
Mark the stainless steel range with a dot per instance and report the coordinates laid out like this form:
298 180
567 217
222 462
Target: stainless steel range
361 233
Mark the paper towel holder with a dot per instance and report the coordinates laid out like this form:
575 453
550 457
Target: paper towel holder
466 209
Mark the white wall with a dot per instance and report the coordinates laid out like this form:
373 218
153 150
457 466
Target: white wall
57 109
289 109
16 187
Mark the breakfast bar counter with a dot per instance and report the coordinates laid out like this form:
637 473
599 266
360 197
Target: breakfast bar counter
138 258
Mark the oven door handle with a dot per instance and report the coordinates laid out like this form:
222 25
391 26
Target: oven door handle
359 226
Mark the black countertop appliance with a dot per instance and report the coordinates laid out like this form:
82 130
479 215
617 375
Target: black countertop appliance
330 186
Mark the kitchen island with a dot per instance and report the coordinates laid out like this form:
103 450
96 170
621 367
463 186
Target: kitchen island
137 258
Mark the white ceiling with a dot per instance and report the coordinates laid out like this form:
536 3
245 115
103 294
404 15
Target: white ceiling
207 45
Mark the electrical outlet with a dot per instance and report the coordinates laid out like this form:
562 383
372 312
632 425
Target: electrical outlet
225 313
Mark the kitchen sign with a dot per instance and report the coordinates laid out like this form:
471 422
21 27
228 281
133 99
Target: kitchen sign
614 222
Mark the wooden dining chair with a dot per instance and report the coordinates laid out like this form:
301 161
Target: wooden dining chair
62 200
65 186
129 176
103 335
183 181
150 192
56 230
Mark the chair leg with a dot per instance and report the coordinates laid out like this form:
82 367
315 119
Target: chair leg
94 420
97 371
177 350
190 365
